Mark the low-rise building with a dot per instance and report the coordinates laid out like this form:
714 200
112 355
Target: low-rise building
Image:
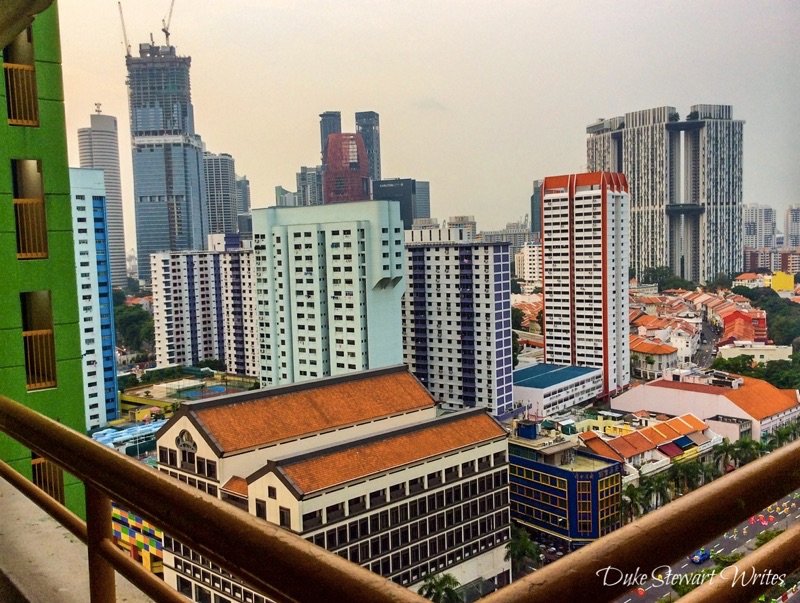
650 357
710 393
548 389
567 495
358 464
760 352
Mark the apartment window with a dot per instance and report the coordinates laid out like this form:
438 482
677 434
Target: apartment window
271 492
22 100
261 508
285 517
38 341
29 209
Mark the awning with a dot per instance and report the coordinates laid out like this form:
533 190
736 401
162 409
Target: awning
670 449
684 442
699 438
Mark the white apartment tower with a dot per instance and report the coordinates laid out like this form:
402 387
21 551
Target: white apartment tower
222 195
759 227
685 181
528 264
204 307
791 227
329 285
586 238
457 319
98 146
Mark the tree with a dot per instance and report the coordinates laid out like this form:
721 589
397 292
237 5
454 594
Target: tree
633 502
519 550
515 288
126 381
721 281
709 472
134 327
441 588
723 454
747 450
132 286
516 318
767 535
779 437
515 349
212 363
118 297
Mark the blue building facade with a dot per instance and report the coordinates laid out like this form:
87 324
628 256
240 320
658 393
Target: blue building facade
564 494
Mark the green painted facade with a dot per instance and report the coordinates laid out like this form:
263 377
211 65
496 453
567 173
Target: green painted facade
46 143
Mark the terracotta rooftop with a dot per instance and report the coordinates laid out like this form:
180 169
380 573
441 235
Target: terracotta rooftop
237 485
686 424
377 455
283 413
642 345
757 398
599 446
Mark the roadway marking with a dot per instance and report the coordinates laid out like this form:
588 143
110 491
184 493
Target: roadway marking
720 550
627 601
684 565
649 587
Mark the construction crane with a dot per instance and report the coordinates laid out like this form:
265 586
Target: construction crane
124 33
165 24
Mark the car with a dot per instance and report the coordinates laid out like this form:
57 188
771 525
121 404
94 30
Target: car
700 556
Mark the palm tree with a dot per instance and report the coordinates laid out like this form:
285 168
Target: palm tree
519 549
441 588
660 485
709 472
723 454
633 503
779 437
746 450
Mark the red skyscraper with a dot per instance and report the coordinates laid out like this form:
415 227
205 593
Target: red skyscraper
346 176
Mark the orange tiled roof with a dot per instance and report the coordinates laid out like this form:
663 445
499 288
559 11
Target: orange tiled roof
237 485
660 433
760 399
694 422
376 456
291 412
747 276
650 346
684 426
600 447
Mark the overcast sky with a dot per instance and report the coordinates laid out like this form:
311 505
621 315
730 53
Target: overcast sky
479 98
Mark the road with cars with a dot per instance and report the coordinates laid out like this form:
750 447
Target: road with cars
741 539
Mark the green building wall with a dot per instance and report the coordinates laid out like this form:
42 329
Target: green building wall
46 143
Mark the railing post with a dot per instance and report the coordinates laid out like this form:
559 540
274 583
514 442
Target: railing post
102 588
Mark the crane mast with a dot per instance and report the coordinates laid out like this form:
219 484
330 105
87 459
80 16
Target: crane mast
165 23
124 33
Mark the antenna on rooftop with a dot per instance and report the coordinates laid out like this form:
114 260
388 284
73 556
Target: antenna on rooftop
97 108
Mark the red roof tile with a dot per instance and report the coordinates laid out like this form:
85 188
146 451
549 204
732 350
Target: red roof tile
288 413
361 460
236 485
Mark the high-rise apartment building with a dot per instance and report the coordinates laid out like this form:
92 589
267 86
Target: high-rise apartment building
758 230
457 319
286 198
96 307
516 234
345 176
204 306
536 211
368 124
528 264
330 122
98 146
221 193
412 195
791 227
40 357
168 175
309 186
466 223
685 181
585 239
329 282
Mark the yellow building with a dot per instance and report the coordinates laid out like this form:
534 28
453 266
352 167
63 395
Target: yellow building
782 281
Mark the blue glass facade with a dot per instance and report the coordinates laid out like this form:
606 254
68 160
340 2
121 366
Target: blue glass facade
107 331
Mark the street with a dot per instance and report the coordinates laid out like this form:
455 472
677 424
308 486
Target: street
739 539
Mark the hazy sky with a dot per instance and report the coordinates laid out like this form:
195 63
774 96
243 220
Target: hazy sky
477 97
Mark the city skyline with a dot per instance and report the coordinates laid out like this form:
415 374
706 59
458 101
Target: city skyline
488 130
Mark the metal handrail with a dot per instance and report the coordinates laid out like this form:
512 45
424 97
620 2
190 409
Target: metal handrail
664 536
273 561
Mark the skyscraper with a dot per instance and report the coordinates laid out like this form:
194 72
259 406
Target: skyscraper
329 282
330 122
242 194
685 181
536 211
221 193
585 238
368 124
759 226
309 185
168 179
457 319
345 175
40 364
98 146
98 341
412 195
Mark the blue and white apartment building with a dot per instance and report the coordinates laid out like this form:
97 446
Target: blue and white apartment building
95 302
457 319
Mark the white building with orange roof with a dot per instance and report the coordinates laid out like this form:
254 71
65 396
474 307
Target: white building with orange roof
710 393
356 464
650 357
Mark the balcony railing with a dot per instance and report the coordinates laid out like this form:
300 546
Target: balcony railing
23 104
40 358
286 567
31 228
